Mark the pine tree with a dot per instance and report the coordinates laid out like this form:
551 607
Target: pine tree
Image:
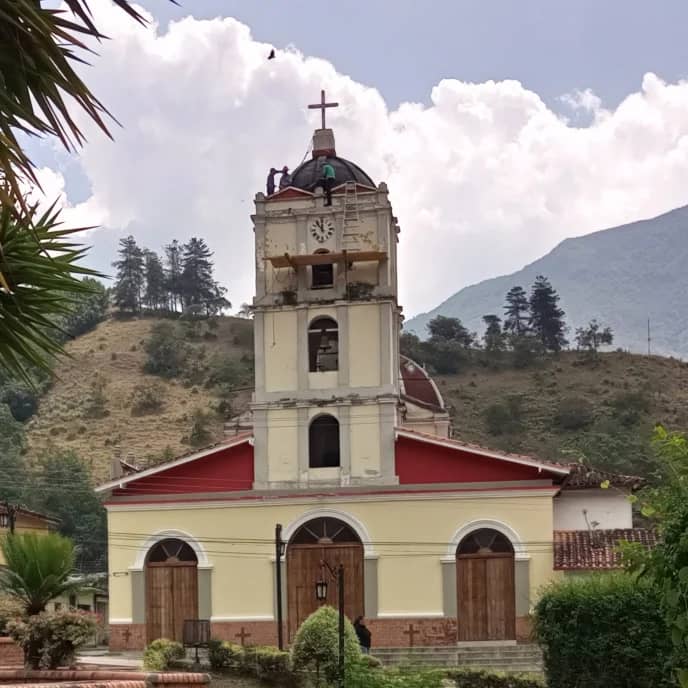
494 338
516 310
155 296
546 318
200 292
173 274
444 329
130 276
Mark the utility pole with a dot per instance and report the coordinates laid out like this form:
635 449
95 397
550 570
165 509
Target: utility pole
278 579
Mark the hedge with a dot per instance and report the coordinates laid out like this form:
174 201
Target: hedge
160 654
603 631
466 678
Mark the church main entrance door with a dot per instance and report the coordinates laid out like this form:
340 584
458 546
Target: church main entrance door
171 589
485 587
330 541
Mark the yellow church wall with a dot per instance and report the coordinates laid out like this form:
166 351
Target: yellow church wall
365 440
283 440
417 532
280 347
364 345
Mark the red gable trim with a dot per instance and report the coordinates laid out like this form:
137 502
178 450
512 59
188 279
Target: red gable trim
181 461
463 450
289 192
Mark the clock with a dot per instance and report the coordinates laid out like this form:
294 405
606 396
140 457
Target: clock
322 228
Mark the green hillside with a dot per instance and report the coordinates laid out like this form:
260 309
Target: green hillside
563 408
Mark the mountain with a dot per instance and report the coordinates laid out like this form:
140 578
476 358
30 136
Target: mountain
622 276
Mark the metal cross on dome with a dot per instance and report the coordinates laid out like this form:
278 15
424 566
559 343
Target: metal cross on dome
322 105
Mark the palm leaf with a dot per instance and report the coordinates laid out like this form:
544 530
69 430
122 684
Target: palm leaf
39 280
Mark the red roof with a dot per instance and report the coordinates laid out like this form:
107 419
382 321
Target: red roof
595 550
584 477
418 385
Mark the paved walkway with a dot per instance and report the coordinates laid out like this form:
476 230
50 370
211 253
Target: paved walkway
103 658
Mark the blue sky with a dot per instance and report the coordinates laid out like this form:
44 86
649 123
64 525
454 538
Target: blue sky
404 47
502 128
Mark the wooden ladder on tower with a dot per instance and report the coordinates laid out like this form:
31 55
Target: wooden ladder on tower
351 216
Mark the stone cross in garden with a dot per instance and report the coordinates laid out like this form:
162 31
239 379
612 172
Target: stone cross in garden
243 635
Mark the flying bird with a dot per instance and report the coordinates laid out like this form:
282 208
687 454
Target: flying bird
271 56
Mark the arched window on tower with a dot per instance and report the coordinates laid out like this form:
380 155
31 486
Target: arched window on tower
323 345
323 442
322 274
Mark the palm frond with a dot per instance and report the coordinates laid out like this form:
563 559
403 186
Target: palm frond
39 280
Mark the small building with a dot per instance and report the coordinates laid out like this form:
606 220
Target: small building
25 521
348 448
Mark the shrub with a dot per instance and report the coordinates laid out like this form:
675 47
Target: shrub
573 413
147 398
95 406
50 639
10 609
505 417
159 655
223 655
22 401
316 645
603 631
629 407
270 665
200 432
167 353
465 678
360 675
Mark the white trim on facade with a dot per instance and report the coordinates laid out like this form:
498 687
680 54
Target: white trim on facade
359 528
336 499
201 556
120 622
520 552
264 617
410 615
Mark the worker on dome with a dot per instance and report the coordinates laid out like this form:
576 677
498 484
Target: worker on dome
271 181
285 179
328 181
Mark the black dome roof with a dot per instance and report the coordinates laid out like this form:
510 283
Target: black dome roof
307 175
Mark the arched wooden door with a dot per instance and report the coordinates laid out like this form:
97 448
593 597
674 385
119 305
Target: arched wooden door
485 587
171 589
323 540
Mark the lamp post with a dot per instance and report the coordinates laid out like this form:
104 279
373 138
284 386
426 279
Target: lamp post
279 551
321 596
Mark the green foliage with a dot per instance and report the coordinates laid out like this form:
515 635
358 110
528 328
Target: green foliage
526 349
167 353
38 568
666 566
147 398
61 485
494 339
573 413
629 407
10 609
87 309
159 654
465 678
604 631
12 466
224 655
199 291
505 417
516 312
50 639
21 399
269 665
200 431
315 646
546 318
128 288
95 404
443 329
591 337
361 675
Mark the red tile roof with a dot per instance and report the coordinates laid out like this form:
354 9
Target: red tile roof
582 477
597 550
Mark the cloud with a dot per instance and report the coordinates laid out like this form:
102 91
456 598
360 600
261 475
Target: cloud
483 179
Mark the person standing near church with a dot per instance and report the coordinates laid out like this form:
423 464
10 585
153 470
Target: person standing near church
270 186
364 635
285 179
328 182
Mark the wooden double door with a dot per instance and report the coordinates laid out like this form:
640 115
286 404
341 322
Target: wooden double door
486 596
304 569
171 598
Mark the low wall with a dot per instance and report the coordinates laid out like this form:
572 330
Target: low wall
101 679
11 655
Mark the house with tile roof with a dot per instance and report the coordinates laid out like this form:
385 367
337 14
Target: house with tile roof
346 463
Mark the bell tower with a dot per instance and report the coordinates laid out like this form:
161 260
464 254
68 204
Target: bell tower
327 326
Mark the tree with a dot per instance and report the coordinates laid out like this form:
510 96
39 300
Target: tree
546 318
494 338
130 276
12 466
155 296
87 309
38 267
173 274
594 335
199 290
37 568
516 311
167 353
61 485
444 329
667 564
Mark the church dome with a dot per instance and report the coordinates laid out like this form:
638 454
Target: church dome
307 175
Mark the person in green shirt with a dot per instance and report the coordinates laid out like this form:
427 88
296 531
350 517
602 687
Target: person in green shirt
328 182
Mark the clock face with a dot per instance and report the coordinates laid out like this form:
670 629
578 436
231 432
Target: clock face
322 228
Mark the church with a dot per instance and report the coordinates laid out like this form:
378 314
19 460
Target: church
348 456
